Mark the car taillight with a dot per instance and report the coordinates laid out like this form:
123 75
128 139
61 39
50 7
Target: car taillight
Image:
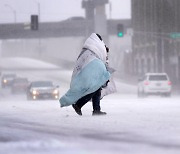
146 83
169 83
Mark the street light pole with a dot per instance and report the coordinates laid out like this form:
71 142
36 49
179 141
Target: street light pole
13 10
39 33
39 9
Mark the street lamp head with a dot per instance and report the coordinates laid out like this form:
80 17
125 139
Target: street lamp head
7 5
13 10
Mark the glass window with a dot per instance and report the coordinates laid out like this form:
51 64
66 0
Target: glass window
157 77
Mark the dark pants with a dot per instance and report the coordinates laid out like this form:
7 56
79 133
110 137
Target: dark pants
95 96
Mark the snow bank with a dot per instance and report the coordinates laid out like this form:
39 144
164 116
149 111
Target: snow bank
20 62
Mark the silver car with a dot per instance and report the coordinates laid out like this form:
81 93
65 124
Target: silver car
42 90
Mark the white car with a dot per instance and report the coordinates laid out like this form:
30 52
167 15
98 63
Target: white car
154 83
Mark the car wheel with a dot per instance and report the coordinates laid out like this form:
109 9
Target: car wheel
168 94
13 91
28 98
144 94
139 94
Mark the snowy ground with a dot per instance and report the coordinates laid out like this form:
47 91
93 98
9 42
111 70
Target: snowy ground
132 126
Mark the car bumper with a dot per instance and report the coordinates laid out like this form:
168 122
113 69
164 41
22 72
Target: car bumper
6 84
45 96
158 91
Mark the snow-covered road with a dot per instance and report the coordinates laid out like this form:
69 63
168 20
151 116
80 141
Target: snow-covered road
132 126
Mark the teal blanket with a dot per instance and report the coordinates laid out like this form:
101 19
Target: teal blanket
87 81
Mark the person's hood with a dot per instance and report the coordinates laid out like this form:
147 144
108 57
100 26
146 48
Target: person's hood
94 44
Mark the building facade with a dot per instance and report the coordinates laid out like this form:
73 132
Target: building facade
155 42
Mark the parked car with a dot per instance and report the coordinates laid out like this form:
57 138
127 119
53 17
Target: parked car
7 79
42 90
19 85
154 84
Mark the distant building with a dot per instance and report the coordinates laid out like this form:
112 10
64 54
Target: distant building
155 46
61 42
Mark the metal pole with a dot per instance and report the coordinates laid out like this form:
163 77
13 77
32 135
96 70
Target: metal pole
39 32
163 56
39 9
110 10
14 16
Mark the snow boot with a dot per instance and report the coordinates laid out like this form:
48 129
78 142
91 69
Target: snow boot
77 109
98 113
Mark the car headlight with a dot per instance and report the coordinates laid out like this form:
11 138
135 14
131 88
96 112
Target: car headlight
34 92
55 91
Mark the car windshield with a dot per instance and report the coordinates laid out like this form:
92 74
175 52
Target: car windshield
157 77
42 84
9 76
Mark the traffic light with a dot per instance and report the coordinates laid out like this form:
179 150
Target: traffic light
34 22
120 30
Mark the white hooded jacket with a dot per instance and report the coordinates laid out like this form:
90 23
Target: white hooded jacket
94 48
94 44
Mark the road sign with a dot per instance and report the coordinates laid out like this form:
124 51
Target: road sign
175 35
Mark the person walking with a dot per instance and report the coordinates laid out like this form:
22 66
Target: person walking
90 75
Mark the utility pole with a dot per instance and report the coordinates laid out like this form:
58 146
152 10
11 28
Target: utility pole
159 55
39 31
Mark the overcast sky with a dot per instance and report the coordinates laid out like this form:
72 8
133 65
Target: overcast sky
55 10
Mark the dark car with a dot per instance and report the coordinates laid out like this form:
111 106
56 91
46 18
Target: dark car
42 90
7 79
19 85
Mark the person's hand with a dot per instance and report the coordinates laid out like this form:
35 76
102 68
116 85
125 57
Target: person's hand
105 85
107 49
